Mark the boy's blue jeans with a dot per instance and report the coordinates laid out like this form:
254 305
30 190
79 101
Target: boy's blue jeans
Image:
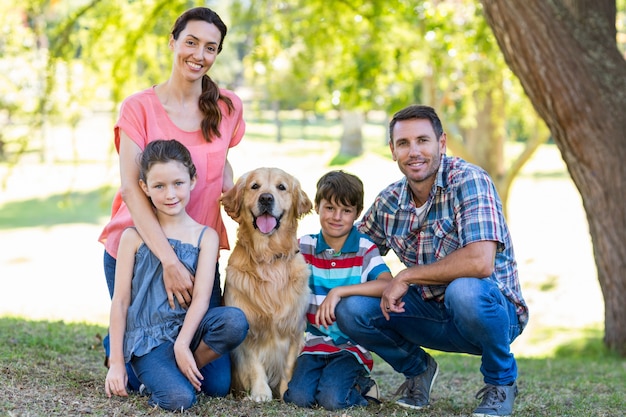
475 318
332 381
222 329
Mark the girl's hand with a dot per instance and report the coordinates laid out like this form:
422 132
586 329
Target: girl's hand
116 381
325 315
187 365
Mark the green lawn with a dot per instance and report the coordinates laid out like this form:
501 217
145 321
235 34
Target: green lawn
55 368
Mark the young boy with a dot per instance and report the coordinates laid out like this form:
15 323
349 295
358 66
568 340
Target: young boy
332 371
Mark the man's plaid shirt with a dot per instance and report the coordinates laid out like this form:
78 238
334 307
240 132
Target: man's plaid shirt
463 207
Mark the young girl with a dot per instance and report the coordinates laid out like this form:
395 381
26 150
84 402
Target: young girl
172 351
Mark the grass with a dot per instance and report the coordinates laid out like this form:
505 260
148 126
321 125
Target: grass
55 368
63 208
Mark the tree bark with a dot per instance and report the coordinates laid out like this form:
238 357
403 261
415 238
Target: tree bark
566 57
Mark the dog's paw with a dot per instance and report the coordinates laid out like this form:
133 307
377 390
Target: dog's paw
261 392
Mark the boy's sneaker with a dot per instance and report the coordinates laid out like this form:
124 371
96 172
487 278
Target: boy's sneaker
415 391
497 400
373 393
143 391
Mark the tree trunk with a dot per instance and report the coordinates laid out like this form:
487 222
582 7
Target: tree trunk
566 57
277 121
352 136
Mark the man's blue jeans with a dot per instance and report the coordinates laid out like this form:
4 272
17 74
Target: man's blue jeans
222 329
475 318
332 381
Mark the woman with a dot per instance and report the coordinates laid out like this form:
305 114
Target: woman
208 120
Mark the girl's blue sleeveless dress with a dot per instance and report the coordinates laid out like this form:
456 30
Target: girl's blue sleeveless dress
150 321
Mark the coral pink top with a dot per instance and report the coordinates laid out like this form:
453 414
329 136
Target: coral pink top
143 119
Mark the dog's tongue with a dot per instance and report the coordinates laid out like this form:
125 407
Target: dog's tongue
266 223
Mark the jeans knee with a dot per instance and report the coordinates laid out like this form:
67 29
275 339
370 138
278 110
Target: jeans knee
299 398
329 399
346 311
337 399
237 325
174 399
467 295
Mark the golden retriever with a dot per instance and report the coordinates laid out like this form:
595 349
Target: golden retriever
267 278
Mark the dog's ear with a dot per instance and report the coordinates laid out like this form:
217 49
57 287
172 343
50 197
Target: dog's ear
233 198
303 202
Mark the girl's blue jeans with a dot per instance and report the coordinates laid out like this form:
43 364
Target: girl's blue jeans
222 329
475 318
332 381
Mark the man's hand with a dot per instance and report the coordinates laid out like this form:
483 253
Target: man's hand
391 300
178 283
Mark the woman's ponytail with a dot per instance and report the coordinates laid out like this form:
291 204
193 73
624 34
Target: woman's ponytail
208 104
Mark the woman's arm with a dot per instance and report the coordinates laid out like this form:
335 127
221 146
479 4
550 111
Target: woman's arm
203 285
177 279
117 378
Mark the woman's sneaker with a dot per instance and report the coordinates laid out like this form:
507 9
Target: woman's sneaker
497 400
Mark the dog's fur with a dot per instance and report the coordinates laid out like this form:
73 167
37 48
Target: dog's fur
267 278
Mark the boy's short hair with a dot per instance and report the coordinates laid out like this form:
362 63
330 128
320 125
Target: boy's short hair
340 187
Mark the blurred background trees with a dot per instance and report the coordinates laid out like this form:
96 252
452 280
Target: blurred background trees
61 61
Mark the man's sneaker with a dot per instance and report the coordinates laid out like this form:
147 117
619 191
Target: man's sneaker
497 400
373 393
415 391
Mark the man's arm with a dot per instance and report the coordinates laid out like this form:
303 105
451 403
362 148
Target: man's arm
474 260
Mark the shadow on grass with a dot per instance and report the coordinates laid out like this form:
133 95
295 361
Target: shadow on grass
66 208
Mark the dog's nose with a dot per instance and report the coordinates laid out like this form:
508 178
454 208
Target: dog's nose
266 200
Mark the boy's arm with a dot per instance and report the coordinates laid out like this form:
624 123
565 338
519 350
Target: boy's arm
203 286
325 315
116 378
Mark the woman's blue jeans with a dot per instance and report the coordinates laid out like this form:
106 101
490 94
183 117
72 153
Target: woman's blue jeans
109 274
332 381
475 318
222 329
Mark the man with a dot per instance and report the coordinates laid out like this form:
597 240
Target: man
460 290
